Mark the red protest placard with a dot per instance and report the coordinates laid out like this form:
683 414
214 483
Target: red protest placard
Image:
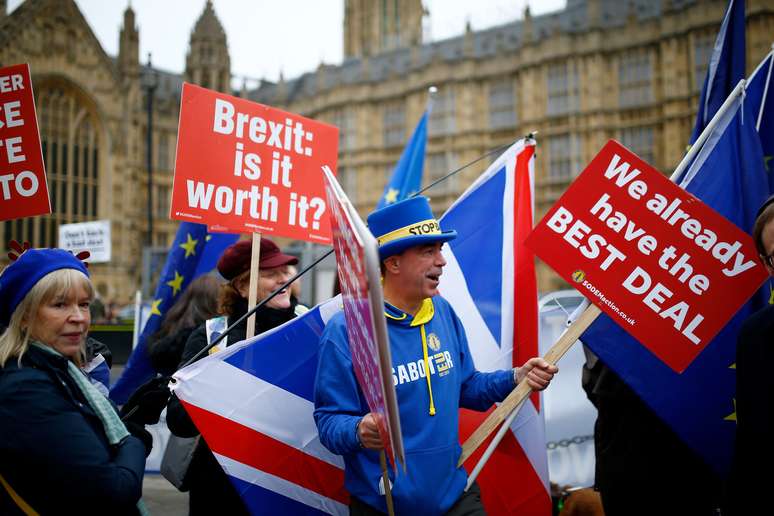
665 266
251 168
358 267
23 189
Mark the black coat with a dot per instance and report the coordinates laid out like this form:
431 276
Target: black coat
211 492
165 353
53 448
752 475
642 466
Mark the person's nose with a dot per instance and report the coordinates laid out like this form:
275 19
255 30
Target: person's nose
440 261
77 314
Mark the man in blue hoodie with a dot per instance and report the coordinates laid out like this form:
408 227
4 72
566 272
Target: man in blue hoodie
433 373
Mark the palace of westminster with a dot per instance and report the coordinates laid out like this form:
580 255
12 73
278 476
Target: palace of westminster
594 70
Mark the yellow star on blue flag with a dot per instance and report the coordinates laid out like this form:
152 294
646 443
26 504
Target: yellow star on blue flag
407 174
391 196
155 307
191 254
732 415
189 245
176 283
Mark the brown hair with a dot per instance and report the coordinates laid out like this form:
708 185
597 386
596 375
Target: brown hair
228 299
764 218
198 303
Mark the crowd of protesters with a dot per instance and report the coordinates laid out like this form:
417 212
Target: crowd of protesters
64 447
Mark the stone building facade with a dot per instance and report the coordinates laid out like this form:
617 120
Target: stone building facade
597 69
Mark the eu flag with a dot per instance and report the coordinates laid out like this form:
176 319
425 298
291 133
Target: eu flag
194 252
727 174
726 66
407 176
760 95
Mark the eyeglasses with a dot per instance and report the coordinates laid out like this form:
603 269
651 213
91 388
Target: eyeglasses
768 259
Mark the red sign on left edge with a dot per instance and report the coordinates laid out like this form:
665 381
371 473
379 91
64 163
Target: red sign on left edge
23 189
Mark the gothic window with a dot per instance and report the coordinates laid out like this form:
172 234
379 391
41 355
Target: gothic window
161 198
394 123
634 79
502 106
438 165
442 116
640 141
344 119
347 177
70 146
163 151
563 89
563 157
384 27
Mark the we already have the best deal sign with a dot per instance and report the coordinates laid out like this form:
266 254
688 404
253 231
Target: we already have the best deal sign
251 168
665 266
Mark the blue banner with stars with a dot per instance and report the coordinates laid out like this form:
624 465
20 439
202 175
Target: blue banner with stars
760 95
726 66
194 252
407 176
729 174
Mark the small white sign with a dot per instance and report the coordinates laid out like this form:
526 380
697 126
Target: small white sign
93 237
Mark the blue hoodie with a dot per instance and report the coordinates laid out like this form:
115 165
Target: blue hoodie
433 482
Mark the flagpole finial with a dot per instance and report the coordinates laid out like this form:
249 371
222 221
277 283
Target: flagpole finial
431 92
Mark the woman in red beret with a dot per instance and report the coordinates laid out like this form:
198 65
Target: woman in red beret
210 490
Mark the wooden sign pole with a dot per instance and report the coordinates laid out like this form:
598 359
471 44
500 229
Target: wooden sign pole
386 482
522 391
255 272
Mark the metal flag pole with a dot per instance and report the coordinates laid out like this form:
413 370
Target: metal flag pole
770 58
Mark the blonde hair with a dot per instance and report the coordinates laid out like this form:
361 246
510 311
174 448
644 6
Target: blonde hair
15 340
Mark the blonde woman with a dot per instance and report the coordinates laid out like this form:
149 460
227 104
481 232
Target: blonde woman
63 448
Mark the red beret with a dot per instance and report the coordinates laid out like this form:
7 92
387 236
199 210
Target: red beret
236 258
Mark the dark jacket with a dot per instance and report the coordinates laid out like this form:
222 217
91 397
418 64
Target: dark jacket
95 347
751 476
53 448
642 466
211 492
165 352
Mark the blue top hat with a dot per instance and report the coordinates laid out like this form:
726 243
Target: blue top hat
406 224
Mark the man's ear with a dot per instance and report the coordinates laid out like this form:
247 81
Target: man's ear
392 264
